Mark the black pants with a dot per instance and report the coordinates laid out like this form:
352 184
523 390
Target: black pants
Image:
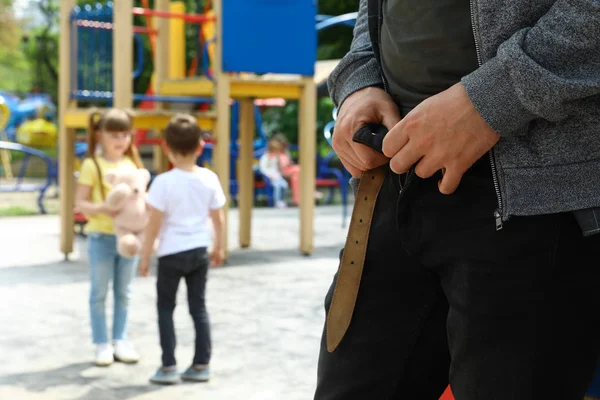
193 266
447 299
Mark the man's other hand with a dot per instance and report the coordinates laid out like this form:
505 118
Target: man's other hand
444 132
368 105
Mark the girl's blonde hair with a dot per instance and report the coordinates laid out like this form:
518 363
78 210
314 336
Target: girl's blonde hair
283 141
112 120
274 146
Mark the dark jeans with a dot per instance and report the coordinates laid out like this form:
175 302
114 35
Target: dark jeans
193 266
445 298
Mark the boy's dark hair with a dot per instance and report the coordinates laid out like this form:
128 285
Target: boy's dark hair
183 134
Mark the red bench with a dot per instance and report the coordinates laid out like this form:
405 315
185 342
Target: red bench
319 183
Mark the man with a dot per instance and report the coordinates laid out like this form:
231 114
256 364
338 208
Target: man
477 273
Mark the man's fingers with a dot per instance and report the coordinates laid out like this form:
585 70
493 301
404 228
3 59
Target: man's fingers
395 140
356 157
390 116
450 181
354 171
427 167
369 158
343 148
349 159
405 158
353 168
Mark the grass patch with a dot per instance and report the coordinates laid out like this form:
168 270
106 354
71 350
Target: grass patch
17 211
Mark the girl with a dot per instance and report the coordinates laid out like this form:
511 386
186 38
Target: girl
109 147
269 167
289 170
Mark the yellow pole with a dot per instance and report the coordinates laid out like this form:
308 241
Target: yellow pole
244 170
177 42
222 93
66 136
162 59
123 54
307 117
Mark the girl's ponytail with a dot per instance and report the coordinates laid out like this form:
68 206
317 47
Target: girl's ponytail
94 125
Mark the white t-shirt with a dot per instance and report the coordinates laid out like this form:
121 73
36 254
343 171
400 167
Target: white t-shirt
269 166
186 199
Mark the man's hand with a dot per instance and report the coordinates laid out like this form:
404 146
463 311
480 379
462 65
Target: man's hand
144 266
368 105
216 257
444 132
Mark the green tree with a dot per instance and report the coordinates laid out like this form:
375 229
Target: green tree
14 68
41 48
334 42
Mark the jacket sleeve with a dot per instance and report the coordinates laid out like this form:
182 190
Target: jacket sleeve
358 69
547 71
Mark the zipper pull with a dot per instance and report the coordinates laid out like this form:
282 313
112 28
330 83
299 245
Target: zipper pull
498 218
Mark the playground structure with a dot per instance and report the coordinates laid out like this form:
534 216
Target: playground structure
30 122
251 55
16 112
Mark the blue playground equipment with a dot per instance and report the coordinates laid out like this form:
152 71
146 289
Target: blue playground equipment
92 52
33 106
256 23
37 112
20 185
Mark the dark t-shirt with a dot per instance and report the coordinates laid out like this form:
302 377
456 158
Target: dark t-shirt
426 47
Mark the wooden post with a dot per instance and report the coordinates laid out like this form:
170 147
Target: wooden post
161 73
123 54
245 173
223 129
307 139
66 136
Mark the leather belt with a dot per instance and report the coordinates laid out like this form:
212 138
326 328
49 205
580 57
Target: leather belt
353 257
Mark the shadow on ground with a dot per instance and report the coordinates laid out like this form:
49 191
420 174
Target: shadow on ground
72 375
77 271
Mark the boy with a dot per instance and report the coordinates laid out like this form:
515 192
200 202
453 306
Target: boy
182 202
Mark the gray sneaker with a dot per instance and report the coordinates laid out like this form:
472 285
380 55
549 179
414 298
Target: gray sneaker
196 375
165 377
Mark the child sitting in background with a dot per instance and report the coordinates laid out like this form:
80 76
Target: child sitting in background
182 203
289 170
269 166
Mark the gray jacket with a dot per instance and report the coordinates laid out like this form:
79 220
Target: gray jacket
538 86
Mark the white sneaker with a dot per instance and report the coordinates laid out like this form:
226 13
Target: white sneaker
125 352
281 204
104 355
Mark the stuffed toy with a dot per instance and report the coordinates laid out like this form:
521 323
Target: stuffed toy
127 198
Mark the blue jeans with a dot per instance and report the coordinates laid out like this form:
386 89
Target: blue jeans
280 185
106 265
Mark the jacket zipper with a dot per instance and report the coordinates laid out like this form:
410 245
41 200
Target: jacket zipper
385 83
376 49
379 14
498 211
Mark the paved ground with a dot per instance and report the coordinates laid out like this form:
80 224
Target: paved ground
265 306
